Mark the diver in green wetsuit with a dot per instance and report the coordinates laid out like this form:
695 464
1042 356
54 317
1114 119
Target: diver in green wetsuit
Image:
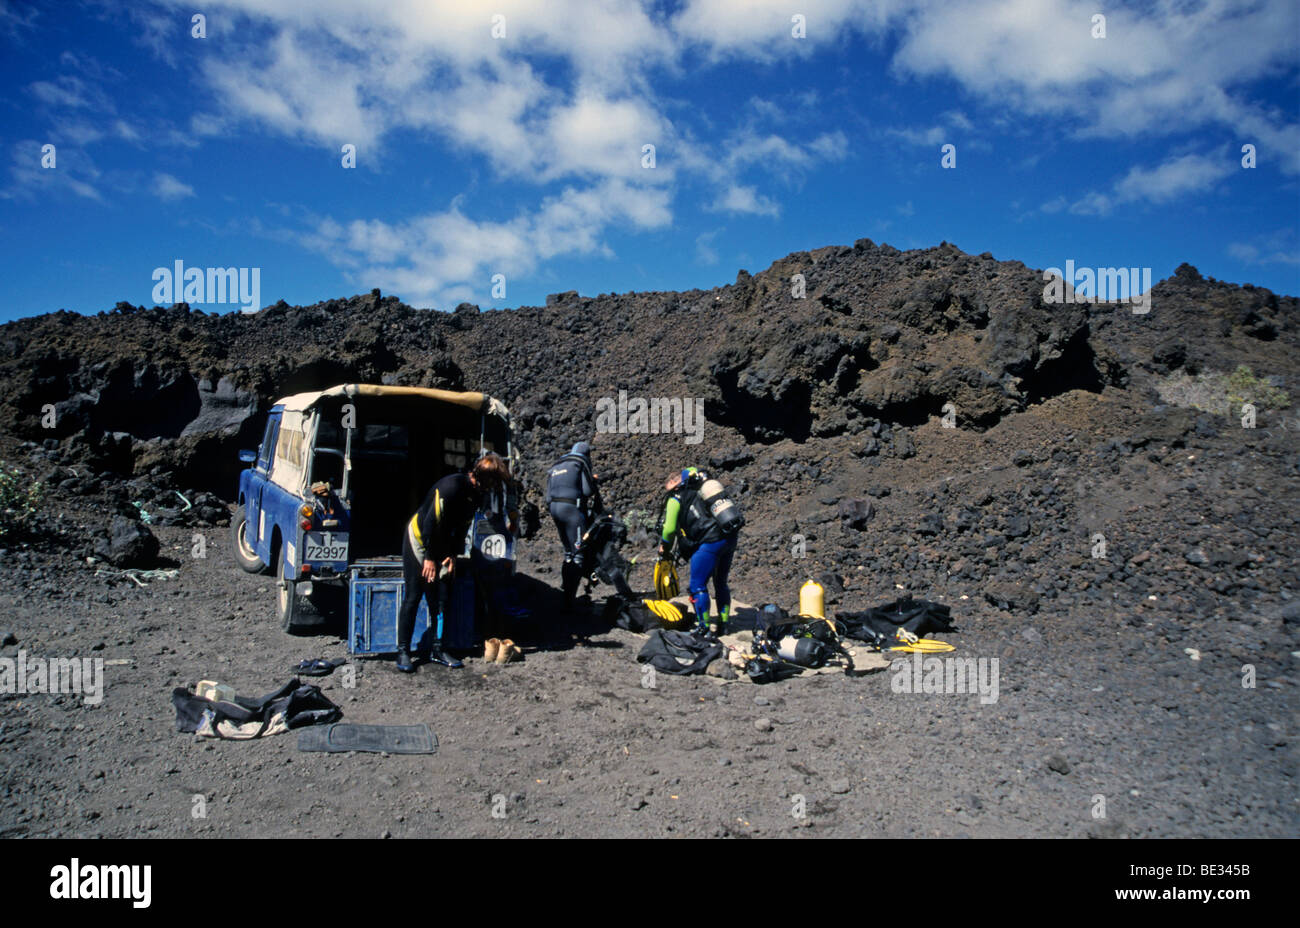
701 539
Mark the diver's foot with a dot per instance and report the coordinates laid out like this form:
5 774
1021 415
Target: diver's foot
438 656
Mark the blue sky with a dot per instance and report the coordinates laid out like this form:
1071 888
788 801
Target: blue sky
522 154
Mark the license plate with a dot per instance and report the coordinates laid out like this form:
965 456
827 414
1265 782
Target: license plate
324 546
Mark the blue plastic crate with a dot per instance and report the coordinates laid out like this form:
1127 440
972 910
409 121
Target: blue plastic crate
375 591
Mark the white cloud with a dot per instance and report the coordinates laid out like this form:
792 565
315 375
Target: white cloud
744 199
832 146
955 127
160 32
65 91
1055 205
443 258
14 19
167 187
74 174
1188 174
302 90
1279 247
78 132
762 29
603 137
705 253
749 148
932 137
958 120
1166 67
568 97
336 72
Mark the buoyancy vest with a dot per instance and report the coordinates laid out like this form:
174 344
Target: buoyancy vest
570 479
707 513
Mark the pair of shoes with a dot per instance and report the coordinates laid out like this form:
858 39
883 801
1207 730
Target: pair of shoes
438 656
404 663
718 629
500 651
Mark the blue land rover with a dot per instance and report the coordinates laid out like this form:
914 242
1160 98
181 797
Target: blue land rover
328 493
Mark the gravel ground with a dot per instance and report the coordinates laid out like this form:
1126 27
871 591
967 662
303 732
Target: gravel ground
1093 715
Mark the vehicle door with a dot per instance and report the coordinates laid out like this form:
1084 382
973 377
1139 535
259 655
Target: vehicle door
258 531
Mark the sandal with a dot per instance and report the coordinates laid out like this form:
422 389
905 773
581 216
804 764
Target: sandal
318 666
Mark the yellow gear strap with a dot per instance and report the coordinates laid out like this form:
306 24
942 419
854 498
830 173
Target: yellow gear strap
437 515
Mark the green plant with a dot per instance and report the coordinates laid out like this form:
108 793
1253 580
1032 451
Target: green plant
1216 392
643 519
1244 387
20 498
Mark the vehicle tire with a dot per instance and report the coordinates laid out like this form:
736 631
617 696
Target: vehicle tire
289 606
245 556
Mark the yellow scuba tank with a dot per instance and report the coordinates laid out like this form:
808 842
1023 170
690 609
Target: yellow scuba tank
812 599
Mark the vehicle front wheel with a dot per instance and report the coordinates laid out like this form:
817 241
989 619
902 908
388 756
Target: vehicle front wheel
245 556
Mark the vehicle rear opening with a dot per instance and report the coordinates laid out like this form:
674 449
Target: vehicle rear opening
398 447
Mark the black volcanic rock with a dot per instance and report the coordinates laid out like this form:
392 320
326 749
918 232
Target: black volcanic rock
127 544
813 408
856 513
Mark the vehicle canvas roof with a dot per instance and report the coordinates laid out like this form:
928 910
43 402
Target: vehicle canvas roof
478 402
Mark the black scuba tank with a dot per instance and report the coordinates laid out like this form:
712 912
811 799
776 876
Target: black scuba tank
724 511
806 652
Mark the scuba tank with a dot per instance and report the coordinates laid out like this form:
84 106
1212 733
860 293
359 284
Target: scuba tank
726 513
806 652
812 599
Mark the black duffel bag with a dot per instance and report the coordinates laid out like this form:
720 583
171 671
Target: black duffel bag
879 625
679 652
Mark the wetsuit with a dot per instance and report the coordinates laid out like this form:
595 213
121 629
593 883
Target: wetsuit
436 531
710 551
573 496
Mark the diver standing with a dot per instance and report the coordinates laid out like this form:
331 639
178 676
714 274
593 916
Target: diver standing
705 524
433 538
573 497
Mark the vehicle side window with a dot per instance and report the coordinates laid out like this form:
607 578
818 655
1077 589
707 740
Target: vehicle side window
383 437
268 442
328 434
291 446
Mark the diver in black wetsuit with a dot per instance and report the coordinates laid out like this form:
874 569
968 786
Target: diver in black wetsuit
574 497
433 538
